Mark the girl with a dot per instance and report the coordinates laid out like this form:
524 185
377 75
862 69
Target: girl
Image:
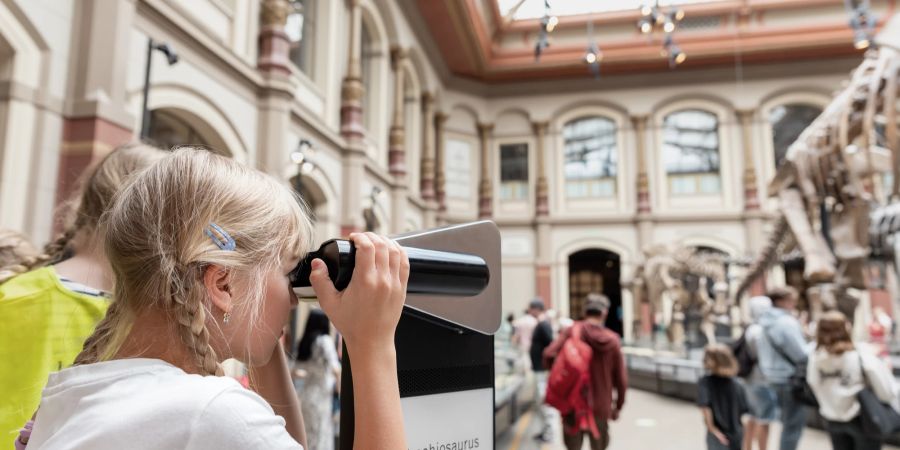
46 312
317 359
835 374
202 248
721 399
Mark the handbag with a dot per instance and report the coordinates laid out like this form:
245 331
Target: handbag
878 418
800 389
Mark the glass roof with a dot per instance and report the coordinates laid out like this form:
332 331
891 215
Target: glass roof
534 9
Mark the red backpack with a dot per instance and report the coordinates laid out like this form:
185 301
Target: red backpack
569 384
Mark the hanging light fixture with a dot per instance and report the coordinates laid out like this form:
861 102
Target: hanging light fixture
593 55
862 21
548 24
654 18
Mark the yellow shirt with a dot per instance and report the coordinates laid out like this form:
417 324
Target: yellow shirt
43 326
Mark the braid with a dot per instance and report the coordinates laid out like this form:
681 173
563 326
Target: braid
191 318
55 250
100 340
17 256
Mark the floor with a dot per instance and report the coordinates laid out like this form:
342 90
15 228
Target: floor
648 421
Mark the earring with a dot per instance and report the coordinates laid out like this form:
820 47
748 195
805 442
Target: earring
226 317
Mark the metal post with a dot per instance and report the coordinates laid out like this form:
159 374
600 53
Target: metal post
145 115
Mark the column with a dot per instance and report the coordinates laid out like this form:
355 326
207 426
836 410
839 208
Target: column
485 194
352 89
274 43
543 260
97 117
276 95
397 139
428 156
440 192
753 218
352 129
640 311
542 204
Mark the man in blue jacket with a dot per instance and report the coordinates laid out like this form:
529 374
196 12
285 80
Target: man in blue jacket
782 352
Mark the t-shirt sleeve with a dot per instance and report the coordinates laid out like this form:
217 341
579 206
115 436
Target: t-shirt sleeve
703 392
238 418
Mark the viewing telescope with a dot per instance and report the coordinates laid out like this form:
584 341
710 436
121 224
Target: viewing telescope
431 272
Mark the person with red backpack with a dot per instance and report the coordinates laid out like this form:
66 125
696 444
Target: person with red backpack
586 366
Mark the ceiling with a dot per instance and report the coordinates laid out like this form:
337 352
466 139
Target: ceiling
476 42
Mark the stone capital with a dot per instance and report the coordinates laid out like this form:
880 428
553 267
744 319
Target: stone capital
540 127
398 54
273 13
485 130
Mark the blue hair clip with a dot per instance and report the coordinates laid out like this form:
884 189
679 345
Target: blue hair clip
220 237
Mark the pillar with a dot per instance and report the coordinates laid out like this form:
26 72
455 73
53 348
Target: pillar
426 186
642 321
274 43
440 191
542 269
397 145
485 190
352 129
753 218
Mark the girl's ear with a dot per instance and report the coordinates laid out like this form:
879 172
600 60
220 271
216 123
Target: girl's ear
217 280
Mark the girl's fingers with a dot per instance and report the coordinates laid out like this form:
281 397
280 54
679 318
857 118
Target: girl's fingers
395 254
322 285
382 258
365 255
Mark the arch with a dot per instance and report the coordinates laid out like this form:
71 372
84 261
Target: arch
382 10
412 113
602 107
796 94
468 110
376 77
711 101
200 112
418 63
512 121
574 246
722 245
25 44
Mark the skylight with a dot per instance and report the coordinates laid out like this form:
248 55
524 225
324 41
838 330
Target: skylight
534 9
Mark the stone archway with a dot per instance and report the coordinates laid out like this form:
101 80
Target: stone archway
596 270
174 127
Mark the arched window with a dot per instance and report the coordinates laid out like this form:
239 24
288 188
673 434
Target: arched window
514 171
300 28
788 121
590 166
691 152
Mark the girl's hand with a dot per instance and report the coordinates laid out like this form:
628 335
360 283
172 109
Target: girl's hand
367 311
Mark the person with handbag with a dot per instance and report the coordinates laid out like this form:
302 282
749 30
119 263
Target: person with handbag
839 372
781 356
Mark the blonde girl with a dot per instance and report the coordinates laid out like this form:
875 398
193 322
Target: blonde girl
47 311
202 249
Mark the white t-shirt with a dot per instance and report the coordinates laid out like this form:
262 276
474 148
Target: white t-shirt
150 404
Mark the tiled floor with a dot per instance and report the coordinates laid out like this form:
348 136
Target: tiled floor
650 421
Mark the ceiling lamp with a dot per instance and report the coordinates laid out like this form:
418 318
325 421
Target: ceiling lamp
862 21
593 55
653 18
548 24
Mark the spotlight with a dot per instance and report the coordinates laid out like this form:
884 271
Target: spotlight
646 10
646 27
669 27
590 57
297 157
552 22
307 167
680 56
679 15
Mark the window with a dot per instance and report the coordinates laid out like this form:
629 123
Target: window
788 121
514 171
590 165
691 152
300 28
458 169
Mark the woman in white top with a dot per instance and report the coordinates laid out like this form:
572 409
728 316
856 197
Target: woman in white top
317 360
835 374
203 249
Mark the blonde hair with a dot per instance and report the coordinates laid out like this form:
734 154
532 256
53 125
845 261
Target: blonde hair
833 333
718 360
157 244
83 211
16 253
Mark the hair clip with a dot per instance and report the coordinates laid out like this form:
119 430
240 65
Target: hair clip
220 237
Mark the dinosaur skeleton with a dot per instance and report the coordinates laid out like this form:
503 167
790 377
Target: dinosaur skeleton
824 185
683 275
